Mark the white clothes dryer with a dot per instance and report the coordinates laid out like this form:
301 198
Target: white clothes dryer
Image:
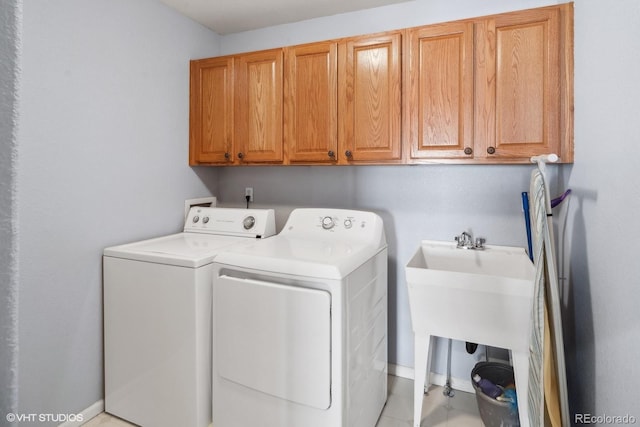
300 325
157 317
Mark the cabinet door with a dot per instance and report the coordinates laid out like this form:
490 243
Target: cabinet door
369 98
440 91
310 102
258 111
211 111
518 84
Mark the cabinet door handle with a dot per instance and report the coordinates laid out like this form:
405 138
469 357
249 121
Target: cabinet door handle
468 151
348 153
331 153
491 150
240 155
227 155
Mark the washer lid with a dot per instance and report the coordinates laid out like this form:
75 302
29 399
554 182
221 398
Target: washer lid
207 231
182 249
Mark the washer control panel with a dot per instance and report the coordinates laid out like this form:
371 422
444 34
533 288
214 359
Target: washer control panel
229 221
337 222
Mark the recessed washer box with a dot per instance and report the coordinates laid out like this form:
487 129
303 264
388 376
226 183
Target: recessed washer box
201 201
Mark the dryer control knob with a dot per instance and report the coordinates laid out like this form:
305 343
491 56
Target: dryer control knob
249 222
348 223
196 219
327 223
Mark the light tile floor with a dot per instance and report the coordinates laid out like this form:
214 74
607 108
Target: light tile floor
438 410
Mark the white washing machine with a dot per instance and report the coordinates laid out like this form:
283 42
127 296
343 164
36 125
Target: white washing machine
300 325
157 317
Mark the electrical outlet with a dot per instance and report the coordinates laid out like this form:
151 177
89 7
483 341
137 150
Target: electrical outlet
248 191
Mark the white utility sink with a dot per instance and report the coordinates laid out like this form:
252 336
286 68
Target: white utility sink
481 296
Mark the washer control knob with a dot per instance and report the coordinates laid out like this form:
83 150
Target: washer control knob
327 223
196 219
248 222
205 219
348 223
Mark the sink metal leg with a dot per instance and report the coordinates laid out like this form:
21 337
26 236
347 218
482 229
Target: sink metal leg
521 372
421 344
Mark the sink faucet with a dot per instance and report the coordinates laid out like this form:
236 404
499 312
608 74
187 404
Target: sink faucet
465 241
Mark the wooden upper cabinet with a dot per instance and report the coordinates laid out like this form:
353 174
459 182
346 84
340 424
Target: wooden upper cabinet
310 103
494 89
369 98
211 111
523 84
439 97
258 108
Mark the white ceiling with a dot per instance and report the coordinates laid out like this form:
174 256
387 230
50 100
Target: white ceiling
232 16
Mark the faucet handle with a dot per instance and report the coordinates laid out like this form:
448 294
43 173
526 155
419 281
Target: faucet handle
480 241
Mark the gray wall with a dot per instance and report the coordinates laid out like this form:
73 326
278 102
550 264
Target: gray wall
9 41
102 159
602 297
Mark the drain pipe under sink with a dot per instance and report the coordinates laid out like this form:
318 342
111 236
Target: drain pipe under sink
448 391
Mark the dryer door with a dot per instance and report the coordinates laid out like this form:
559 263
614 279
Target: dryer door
274 338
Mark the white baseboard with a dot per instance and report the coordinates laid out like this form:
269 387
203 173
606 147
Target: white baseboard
400 371
435 379
90 412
